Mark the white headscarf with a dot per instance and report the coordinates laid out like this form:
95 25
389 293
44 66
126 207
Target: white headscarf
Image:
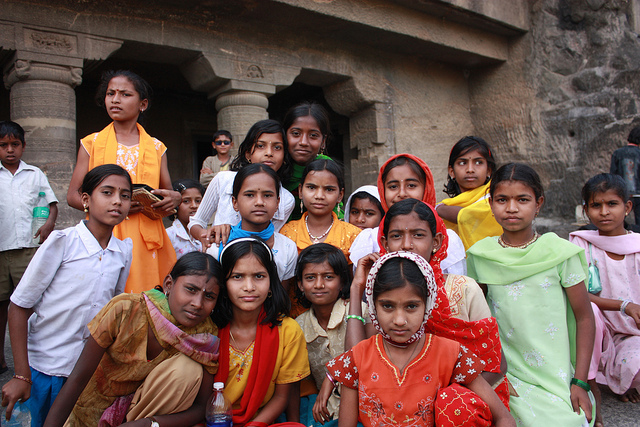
371 189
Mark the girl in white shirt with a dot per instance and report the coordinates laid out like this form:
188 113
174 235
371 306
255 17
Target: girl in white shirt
72 275
266 142
191 192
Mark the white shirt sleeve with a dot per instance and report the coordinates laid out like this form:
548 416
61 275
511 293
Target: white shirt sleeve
209 204
124 275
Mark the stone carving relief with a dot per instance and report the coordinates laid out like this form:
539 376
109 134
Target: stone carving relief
254 72
62 44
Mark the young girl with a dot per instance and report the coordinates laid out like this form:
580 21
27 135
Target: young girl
191 192
265 143
72 275
616 252
256 193
150 356
126 96
467 212
308 128
363 208
321 189
536 291
221 159
262 351
324 282
401 177
397 375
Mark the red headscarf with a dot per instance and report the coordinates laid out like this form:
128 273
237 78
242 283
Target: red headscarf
429 196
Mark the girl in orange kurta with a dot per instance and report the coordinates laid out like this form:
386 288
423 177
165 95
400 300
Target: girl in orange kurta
397 376
126 143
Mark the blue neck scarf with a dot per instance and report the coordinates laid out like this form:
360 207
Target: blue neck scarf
237 232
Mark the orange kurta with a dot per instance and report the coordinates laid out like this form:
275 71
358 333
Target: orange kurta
153 255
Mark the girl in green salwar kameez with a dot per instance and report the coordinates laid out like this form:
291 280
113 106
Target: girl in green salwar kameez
536 291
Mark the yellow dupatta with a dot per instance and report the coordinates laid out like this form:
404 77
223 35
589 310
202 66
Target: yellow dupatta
475 219
104 147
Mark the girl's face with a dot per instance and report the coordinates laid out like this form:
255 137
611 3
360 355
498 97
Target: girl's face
257 201
191 298
320 192
122 100
515 206
269 150
248 284
607 212
191 198
320 284
470 170
109 202
400 312
412 234
305 140
364 214
402 182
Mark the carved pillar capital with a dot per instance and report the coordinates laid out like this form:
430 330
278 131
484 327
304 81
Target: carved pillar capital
23 69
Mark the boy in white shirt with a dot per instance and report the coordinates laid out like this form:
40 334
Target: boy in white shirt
20 185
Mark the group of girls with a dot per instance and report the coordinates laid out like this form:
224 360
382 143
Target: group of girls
410 338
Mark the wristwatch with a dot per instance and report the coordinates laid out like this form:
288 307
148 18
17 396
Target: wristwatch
154 423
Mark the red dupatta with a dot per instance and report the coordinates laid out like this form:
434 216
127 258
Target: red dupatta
265 353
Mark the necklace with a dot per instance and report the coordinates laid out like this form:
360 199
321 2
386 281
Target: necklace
316 239
522 246
415 347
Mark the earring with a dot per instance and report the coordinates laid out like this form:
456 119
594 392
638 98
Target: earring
127 217
434 250
269 295
301 205
86 209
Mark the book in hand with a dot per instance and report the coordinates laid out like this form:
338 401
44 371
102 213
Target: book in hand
143 195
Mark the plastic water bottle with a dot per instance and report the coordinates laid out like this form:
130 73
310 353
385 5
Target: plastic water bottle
40 216
218 409
20 417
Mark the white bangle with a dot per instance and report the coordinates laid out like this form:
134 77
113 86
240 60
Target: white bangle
623 306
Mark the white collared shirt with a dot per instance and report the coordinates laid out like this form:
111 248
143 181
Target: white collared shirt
182 242
217 199
69 280
18 197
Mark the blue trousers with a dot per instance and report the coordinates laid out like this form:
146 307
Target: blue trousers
44 390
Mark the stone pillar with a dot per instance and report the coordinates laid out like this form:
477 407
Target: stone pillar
43 102
239 110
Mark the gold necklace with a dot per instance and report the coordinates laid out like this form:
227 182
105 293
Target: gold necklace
318 238
521 246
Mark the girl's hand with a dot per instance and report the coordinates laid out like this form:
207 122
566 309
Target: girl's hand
633 310
170 200
13 391
218 233
362 271
580 400
320 411
135 208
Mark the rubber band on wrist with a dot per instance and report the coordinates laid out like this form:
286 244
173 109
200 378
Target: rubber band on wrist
623 306
25 379
583 385
353 316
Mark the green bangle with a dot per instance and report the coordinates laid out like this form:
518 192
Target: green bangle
581 384
353 316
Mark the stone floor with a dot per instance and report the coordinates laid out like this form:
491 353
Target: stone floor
616 413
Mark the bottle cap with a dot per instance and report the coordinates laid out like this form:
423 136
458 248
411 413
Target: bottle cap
41 194
218 386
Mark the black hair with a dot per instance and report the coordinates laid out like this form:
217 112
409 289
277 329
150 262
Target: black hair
397 273
247 147
328 165
634 136
95 176
363 195
9 128
602 183
402 160
317 254
140 85
312 109
405 207
181 185
462 147
253 169
517 172
198 264
276 306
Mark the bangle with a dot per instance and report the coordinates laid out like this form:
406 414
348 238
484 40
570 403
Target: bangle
353 316
585 386
25 379
332 380
623 306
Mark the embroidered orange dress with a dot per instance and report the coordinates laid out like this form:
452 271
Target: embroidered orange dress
153 255
387 397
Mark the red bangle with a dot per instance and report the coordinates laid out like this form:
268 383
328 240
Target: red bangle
256 424
25 379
